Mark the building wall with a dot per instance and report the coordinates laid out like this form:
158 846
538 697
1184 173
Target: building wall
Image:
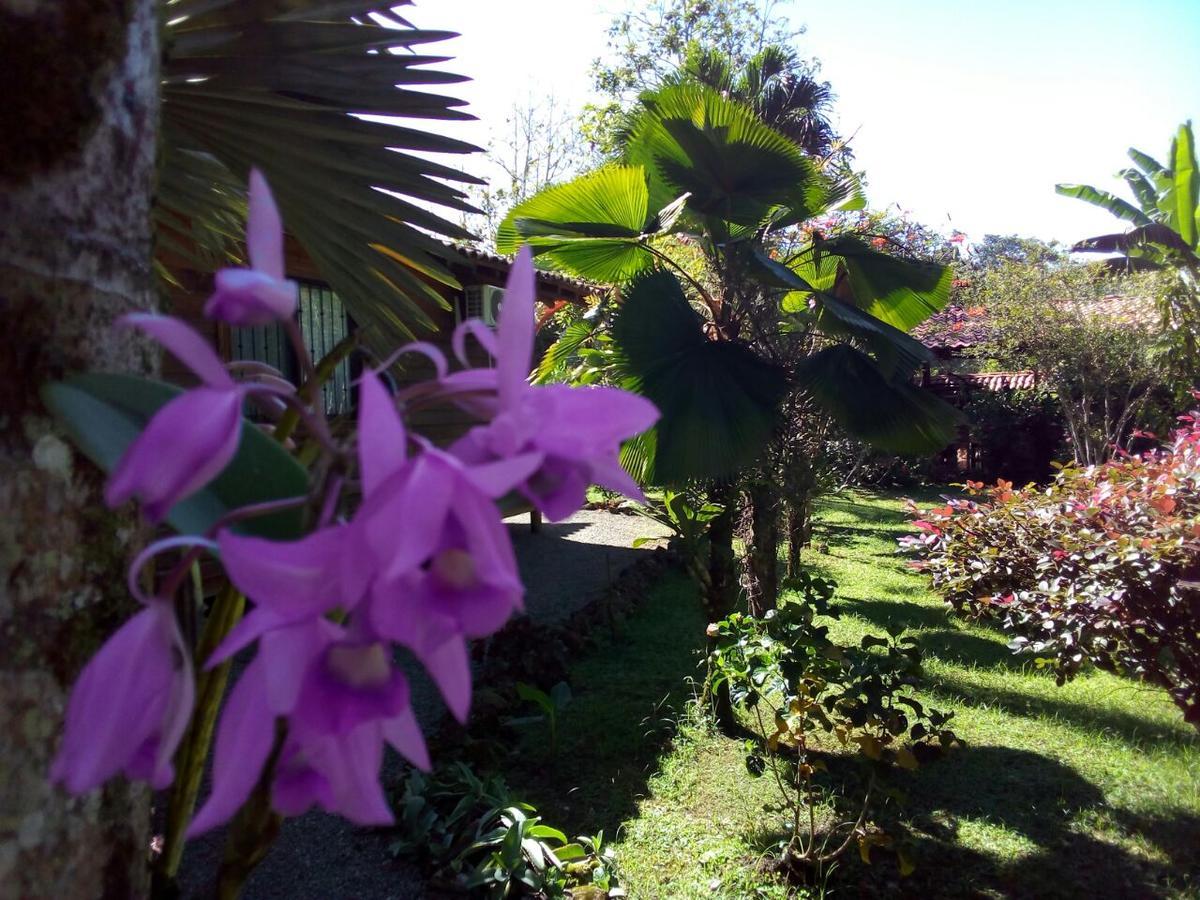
440 424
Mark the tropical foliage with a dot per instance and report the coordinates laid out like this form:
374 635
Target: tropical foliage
1099 567
475 836
319 95
1092 337
718 346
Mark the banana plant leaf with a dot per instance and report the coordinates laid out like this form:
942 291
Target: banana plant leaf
1122 209
282 85
1128 241
719 400
1186 184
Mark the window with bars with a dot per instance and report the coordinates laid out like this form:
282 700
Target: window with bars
324 324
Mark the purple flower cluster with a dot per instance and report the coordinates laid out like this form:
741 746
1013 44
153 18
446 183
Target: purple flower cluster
424 563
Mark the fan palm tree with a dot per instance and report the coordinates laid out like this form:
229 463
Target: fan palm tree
778 86
719 349
284 85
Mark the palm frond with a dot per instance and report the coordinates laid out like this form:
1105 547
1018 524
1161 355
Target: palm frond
719 400
281 85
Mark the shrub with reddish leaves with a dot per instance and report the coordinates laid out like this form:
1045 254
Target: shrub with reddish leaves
1101 566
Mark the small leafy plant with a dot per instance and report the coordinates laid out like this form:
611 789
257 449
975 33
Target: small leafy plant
813 701
687 514
475 836
550 704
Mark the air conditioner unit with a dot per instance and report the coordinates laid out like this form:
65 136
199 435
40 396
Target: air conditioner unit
481 301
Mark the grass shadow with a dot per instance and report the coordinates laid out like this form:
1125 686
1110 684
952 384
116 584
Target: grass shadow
966 649
1038 801
895 613
628 694
1132 729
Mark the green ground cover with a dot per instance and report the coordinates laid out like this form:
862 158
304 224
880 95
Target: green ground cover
1088 790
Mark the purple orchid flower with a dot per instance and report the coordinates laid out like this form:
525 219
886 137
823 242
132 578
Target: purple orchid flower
342 698
447 571
131 704
575 431
191 439
260 294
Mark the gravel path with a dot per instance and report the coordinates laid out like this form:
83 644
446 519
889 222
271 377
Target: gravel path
564 566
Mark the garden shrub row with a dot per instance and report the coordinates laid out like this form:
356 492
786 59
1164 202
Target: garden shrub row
1102 566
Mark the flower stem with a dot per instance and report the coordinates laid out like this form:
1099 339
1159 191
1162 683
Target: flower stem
193 750
253 830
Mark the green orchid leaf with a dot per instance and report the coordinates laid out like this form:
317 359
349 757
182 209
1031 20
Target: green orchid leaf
104 413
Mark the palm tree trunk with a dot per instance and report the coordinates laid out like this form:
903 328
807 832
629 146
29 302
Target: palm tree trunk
78 138
720 598
764 554
722 564
799 531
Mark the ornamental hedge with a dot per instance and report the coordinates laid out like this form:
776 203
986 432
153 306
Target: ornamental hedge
1101 567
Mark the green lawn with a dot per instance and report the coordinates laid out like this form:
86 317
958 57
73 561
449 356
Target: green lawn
1089 790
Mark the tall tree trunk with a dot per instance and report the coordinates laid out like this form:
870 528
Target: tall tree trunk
78 130
764 550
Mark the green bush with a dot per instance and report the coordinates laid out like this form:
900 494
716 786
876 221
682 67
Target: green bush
1102 566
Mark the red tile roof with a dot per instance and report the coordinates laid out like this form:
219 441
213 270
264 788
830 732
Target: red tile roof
958 327
478 254
1001 381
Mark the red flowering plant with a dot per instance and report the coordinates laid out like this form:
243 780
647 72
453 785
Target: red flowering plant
1101 566
352 543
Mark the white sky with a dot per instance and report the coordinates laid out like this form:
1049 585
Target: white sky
964 113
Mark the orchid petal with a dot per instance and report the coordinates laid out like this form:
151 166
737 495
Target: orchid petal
487 538
248 297
381 435
186 445
253 626
412 521
476 329
559 489
294 579
245 736
403 732
264 228
288 654
609 474
122 706
587 418
515 330
185 345
430 351
497 478
354 775
450 667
